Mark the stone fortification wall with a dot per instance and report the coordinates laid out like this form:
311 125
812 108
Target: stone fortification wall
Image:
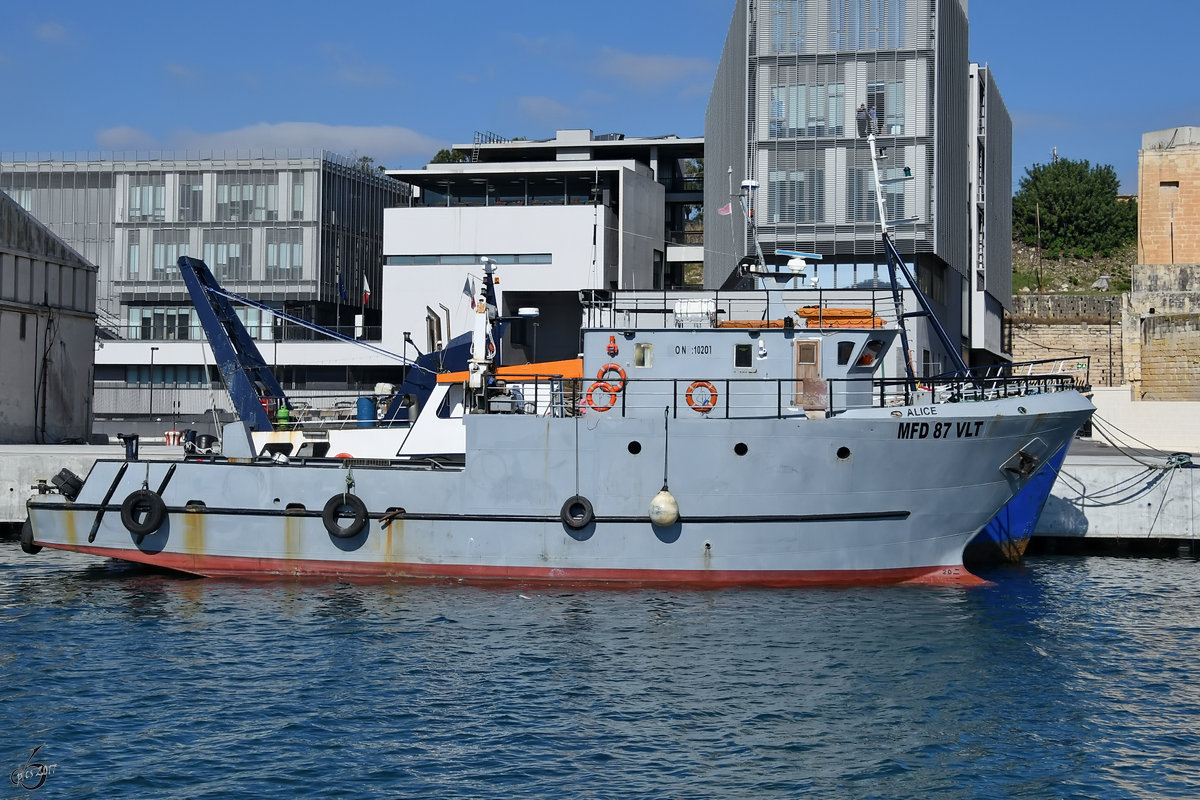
1166 288
1070 342
1160 334
1170 357
1064 308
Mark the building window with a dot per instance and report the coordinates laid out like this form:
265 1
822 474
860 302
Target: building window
931 280
169 245
867 24
259 323
167 374
297 195
242 197
285 254
227 253
887 98
931 365
191 198
147 198
861 194
796 188
806 100
135 241
163 323
466 261
788 25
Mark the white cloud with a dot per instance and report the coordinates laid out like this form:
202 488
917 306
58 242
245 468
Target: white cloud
650 72
125 138
181 71
389 145
543 109
50 32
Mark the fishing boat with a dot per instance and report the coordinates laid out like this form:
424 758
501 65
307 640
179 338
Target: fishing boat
687 452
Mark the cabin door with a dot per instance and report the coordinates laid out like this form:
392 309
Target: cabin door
810 392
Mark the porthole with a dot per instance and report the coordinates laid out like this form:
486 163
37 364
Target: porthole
741 449
843 452
635 448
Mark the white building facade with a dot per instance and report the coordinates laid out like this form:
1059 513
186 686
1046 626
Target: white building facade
559 216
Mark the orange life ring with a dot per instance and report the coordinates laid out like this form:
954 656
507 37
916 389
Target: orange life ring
602 375
703 408
604 387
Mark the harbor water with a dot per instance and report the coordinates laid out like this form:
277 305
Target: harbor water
1067 677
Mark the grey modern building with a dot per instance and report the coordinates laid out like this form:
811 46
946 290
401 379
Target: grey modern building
300 232
801 84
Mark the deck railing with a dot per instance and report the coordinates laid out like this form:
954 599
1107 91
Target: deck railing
770 398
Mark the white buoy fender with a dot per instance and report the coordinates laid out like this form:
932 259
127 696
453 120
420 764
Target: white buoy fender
664 510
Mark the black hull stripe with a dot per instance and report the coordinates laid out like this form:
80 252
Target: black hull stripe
876 516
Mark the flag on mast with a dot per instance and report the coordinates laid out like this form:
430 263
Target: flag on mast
366 290
726 209
469 290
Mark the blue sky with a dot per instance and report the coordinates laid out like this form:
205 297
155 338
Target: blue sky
397 80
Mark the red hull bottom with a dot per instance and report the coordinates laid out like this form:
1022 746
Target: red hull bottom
266 568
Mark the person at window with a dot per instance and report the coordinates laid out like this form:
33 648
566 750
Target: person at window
873 123
861 118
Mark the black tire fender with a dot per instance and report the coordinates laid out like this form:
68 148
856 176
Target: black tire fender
335 510
143 512
577 512
27 542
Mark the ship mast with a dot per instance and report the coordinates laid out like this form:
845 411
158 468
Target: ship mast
895 262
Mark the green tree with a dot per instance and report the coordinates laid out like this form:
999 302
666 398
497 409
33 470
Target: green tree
449 157
366 163
1075 206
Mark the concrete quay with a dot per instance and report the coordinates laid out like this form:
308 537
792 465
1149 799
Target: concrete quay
22 466
1139 498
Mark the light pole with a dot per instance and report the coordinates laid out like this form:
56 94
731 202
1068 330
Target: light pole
152 349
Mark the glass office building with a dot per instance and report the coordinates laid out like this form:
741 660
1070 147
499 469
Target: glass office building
801 84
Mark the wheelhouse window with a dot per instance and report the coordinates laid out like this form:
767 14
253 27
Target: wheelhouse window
870 354
743 356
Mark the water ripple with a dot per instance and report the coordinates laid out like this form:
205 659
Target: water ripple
1072 677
